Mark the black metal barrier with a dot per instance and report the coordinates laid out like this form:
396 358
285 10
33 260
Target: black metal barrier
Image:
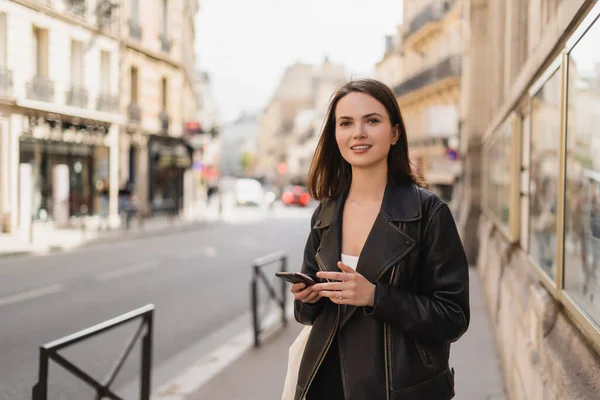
50 350
257 275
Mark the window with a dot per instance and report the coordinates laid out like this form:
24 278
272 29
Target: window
165 18
40 49
76 63
135 11
543 171
582 183
105 76
498 182
164 93
134 85
3 44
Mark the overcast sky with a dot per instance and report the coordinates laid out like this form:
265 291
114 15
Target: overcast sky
245 45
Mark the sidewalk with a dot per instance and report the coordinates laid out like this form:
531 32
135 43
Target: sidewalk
48 239
259 374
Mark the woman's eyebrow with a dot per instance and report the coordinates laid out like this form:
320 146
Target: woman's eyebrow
364 116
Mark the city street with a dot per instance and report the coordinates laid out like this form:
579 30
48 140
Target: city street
198 281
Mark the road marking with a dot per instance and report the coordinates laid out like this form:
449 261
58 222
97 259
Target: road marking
31 294
210 365
129 270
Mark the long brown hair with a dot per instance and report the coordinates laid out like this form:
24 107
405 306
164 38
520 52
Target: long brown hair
330 175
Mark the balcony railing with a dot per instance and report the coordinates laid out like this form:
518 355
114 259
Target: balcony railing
165 43
134 113
106 102
164 121
135 30
450 67
6 82
431 13
40 88
77 96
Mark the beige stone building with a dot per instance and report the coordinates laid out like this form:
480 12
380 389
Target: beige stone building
303 88
422 64
530 212
59 116
157 97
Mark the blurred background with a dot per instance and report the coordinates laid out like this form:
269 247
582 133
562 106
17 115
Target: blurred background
151 150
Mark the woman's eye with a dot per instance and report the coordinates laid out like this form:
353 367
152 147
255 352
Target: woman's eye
373 121
344 123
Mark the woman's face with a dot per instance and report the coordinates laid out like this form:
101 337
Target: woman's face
363 130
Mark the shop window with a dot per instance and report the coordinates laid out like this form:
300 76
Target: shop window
543 171
498 182
582 183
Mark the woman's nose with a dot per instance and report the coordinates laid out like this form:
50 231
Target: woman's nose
359 132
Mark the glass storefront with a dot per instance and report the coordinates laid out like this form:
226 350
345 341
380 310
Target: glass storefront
582 191
544 168
168 159
88 172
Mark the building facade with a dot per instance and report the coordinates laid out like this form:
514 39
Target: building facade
530 215
304 89
422 64
59 115
157 98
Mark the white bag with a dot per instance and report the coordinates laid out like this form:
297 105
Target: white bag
294 358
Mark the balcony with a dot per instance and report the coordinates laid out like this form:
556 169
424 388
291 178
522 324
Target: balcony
40 89
164 122
108 103
135 30
6 82
134 113
450 67
165 43
77 96
431 13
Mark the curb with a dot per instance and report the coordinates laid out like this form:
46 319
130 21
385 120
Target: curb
115 236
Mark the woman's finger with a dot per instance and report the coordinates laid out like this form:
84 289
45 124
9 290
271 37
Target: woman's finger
297 287
330 286
312 298
335 296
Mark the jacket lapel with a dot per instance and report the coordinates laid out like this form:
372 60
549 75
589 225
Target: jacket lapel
386 243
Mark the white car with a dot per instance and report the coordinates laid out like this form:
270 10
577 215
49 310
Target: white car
248 192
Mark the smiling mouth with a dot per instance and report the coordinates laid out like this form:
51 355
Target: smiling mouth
361 147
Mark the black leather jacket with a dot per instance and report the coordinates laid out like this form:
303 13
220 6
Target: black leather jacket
399 348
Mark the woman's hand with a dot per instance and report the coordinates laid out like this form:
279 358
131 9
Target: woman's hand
352 288
304 294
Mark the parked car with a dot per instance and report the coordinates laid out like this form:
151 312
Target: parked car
248 192
296 195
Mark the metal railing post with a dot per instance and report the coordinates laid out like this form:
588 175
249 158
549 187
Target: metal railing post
283 291
146 375
40 390
254 303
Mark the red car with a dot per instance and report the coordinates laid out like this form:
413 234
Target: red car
295 195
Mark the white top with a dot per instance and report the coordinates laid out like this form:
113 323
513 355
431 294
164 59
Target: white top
350 261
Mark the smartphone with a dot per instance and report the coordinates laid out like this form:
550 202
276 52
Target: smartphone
296 277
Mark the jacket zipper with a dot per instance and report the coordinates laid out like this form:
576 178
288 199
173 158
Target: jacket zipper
387 336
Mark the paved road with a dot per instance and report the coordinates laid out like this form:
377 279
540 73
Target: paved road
198 280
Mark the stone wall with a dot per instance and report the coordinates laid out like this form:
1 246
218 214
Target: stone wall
543 354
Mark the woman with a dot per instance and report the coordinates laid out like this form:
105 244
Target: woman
394 275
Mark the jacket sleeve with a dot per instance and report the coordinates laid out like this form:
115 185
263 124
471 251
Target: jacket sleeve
306 313
440 311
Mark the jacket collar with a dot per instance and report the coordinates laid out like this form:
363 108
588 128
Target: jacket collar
401 203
